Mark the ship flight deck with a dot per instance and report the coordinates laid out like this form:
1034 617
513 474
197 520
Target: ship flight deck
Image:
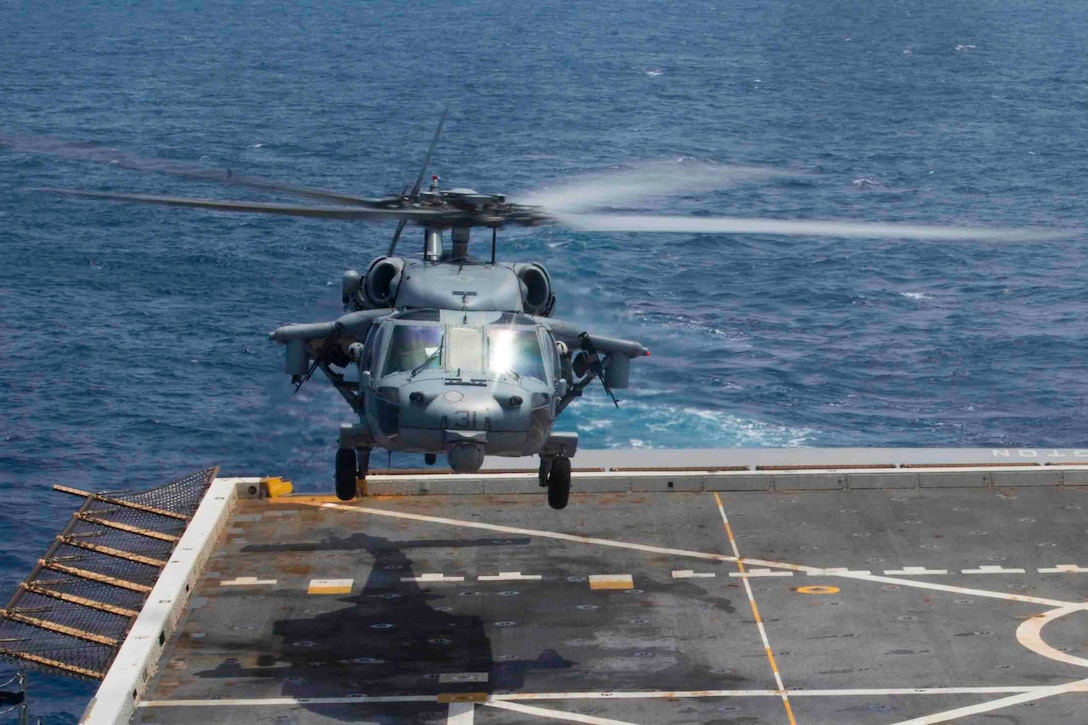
821 586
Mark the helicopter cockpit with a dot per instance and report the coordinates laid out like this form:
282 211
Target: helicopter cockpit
492 344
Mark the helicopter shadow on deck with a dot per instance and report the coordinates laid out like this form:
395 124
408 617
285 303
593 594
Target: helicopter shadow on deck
388 638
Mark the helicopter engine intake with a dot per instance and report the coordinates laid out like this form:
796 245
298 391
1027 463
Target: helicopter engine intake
382 281
537 297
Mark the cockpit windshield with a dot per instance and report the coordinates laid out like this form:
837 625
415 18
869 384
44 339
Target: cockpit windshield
508 350
515 351
412 347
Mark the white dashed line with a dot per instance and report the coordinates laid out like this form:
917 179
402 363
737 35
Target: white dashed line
689 574
1065 569
753 573
432 578
993 569
915 571
510 576
463 677
248 581
840 571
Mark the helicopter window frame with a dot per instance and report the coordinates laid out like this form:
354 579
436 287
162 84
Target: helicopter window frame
391 338
545 366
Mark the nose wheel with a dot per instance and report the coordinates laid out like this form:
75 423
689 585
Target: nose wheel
351 465
555 474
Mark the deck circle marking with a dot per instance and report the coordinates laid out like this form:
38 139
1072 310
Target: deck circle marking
817 589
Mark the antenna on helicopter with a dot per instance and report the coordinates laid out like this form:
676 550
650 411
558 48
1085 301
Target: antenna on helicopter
414 195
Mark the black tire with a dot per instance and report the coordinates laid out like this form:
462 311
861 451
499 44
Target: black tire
559 483
346 468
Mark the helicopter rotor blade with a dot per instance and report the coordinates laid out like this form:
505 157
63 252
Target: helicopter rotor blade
787 227
108 156
643 181
427 159
348 213
396 237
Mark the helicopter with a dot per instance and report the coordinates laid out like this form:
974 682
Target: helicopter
450 353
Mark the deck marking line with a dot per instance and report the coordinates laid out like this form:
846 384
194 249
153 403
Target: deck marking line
1078 686
758 573
1029 634
992 569
247 581
461 713
556 714
1065 569
914 571
840 571
611 581
439 577
330 586
917 584
690 574
510 576
614 695
755 611
462 677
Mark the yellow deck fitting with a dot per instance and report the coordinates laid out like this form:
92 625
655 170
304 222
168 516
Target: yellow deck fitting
274 487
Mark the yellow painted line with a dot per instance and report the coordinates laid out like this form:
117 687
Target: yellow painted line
817 590
448 697
755 612
330 586
611 581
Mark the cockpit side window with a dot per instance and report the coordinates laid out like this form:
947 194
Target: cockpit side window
514 350
414 347
373 348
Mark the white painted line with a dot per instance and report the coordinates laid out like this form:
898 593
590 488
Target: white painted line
1029 634
1079 686
993 569
1065 569
510 576
461 713
432 578
915 571
916 583
758 573
840 571
755 612
462 677
690 574
557 714
287 701
612 695
247 581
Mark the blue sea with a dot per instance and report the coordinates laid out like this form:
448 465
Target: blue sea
133 341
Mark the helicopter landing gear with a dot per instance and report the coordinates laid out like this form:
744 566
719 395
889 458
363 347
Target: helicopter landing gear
558 482
351 465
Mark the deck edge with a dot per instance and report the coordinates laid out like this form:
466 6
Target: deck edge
137 661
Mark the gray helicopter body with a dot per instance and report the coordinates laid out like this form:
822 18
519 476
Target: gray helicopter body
447 354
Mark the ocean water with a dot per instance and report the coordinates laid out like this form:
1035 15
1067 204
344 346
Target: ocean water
133 340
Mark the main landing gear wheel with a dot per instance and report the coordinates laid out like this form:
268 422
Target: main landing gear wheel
351 465
559 483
